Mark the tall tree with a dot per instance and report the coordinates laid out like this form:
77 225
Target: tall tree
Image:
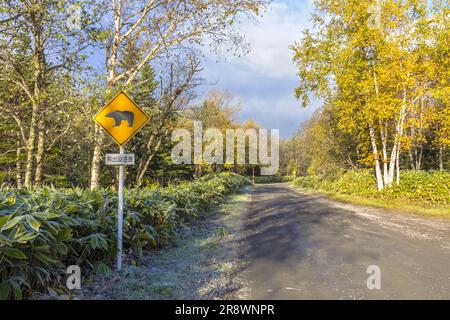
368 70
440 29
161 27
36 42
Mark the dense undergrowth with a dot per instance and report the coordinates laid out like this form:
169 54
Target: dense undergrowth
416 186
45 230
272 179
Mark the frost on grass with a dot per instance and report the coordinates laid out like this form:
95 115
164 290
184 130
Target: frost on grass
203 264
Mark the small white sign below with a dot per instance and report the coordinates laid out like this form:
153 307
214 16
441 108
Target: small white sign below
120 159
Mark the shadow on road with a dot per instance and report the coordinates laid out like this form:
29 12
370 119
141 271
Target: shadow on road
300 246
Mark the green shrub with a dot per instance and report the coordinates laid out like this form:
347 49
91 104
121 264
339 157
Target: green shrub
313 182
359 183
428 187
432 187
45 230
272 179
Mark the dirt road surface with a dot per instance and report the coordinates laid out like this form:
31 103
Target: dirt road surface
301 246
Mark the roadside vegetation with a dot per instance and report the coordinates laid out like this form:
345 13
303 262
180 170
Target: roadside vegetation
383 131
202 263
419 191
272 179
43 231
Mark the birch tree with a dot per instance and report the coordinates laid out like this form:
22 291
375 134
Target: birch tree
160 27
440 28
368 72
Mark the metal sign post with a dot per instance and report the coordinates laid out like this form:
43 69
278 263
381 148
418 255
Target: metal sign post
120 214
121 118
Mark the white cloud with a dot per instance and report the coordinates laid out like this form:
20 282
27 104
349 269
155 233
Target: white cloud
264 80
270 38
284 113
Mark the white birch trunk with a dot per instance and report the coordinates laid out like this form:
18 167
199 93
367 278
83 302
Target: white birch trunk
397 141
378 174
18 164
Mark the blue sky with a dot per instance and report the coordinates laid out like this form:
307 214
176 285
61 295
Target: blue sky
263 81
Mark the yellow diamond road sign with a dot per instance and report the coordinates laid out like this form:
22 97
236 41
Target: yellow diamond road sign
121 118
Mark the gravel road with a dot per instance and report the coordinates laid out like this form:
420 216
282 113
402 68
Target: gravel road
302 246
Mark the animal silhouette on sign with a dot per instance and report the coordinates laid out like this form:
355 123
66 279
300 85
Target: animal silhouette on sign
120 116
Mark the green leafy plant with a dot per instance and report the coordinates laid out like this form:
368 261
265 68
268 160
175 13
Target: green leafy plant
421 186
44 230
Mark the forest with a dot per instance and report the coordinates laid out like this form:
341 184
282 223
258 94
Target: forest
383 71
62 61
